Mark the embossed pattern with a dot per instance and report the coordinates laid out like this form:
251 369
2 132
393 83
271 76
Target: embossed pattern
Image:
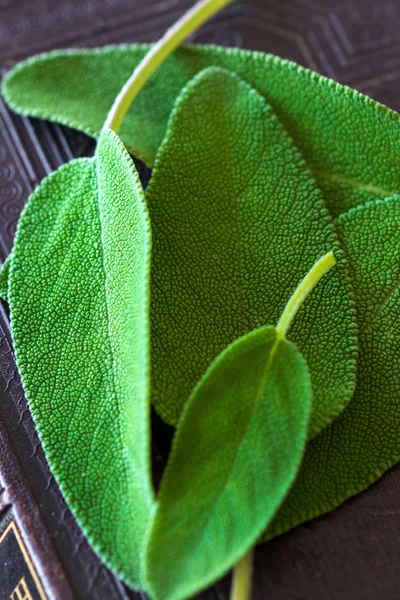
348 554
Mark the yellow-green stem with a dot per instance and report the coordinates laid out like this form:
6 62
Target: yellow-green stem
242 577
192 20
303 289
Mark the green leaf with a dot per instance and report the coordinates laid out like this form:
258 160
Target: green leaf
79 303
365 440
349 141
4 275
237 220
235 453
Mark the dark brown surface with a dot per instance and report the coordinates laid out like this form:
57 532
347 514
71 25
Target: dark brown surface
351 554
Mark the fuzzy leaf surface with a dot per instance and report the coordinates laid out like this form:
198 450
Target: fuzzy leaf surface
237 221
79 299
4 275
349 142
364 441
235 453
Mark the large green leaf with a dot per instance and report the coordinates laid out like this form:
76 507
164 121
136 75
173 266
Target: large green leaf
79 302
237 221
236 452
349 141
365 440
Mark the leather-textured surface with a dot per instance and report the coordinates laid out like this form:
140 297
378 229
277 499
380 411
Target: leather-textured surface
350 554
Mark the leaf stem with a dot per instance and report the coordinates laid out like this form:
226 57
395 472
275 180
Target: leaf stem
185 26
302 291
242 575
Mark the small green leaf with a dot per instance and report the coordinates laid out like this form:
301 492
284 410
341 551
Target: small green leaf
237 220
4 275
349 141
79 298
365 439
235 453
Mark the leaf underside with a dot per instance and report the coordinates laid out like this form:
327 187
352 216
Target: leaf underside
349 141
236 452
237 221
364 441
78 295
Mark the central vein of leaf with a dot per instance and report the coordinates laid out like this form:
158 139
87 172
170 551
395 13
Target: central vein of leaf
368 187
235 209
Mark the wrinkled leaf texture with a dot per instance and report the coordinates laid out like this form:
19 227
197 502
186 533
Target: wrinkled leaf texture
364 441
79 299
349 142
236 451
237 221
4 275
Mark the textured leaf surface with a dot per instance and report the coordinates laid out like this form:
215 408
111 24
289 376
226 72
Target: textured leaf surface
79 315
4 275
236 452
349 141
237 222
365 439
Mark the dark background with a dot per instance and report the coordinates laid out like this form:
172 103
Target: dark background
351 554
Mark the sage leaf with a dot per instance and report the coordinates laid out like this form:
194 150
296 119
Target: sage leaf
237 220
348 141
4 275
364 441
235 453
79 299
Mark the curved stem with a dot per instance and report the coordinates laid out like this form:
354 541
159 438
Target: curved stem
242 575
192 20
303 289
